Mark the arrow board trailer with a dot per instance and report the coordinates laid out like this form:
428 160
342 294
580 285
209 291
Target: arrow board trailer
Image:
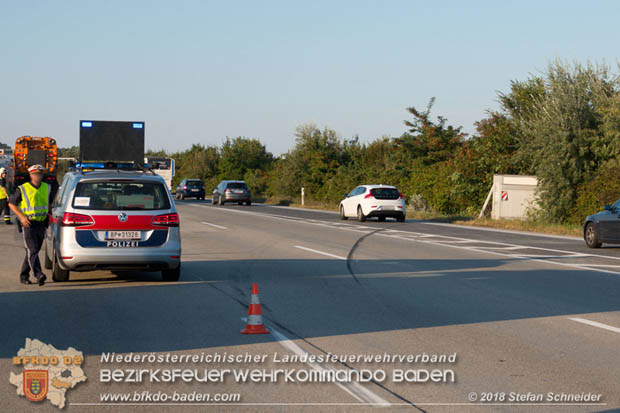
112 141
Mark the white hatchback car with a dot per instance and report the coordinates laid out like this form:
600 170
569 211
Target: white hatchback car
379 201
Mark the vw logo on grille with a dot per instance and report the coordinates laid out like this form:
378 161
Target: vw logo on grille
122 216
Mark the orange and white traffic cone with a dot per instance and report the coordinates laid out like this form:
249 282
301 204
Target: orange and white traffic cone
255 315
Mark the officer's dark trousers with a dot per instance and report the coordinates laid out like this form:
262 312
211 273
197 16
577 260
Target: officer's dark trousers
4 210
33 240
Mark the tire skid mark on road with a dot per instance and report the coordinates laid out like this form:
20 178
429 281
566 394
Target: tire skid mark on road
494 248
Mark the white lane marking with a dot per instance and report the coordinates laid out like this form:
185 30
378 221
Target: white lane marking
602 265
320 252
418 237
506 231
214 225
554 256
595 324
353 388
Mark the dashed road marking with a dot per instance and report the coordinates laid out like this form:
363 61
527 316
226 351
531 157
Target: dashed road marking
321 252
595 324
214 225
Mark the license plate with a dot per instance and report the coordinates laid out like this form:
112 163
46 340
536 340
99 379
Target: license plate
388 208
194 190
122 235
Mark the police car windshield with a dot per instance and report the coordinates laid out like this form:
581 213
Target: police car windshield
130 195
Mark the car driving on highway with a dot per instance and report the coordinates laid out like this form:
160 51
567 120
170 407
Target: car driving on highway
113 220
603 226
232 191
190 188
366 201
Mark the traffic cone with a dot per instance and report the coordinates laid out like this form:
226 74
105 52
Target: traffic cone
255 315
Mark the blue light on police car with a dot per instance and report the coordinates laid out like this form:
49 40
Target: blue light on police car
87 124
138 125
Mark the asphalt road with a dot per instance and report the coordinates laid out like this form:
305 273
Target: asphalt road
522 313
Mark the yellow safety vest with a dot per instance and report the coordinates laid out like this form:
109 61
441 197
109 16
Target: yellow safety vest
4 191
35 202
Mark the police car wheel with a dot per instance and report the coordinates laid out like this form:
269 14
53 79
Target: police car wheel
47 262
58 274
171 275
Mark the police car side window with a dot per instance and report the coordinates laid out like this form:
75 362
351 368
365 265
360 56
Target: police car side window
60 193
66 193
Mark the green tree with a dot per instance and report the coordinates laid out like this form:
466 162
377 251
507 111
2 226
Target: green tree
567 131
428 141
241 155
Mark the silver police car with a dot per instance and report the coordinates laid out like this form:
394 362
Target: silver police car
113 220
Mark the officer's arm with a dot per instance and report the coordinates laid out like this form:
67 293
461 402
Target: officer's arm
20 215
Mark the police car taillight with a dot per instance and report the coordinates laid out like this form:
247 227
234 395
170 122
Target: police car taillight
166 220
69 219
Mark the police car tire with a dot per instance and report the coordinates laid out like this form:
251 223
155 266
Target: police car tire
171 275
58 274
46 261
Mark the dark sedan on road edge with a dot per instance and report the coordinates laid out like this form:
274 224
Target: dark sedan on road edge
603 226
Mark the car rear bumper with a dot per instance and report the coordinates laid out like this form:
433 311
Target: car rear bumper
388 214
237 197
99 260
189 194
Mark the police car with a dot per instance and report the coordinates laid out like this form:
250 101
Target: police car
113 219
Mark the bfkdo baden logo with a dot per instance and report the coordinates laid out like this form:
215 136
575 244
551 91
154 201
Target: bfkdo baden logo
35 384
48 373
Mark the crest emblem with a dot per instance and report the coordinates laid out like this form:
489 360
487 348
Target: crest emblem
35 384
122 216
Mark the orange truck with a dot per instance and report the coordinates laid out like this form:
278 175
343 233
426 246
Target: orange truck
32 150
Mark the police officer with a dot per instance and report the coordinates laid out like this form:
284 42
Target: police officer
4 198
31 204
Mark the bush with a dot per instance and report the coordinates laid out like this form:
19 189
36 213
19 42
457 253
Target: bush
594 195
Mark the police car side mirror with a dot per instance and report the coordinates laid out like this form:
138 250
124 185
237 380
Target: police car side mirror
608 208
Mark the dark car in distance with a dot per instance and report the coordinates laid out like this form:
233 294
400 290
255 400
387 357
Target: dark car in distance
603 226
190 188
232 191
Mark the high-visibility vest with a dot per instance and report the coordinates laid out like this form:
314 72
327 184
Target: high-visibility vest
4 191
35 202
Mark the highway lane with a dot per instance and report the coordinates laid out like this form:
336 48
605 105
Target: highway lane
370 288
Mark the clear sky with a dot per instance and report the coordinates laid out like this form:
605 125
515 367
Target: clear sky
198 71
